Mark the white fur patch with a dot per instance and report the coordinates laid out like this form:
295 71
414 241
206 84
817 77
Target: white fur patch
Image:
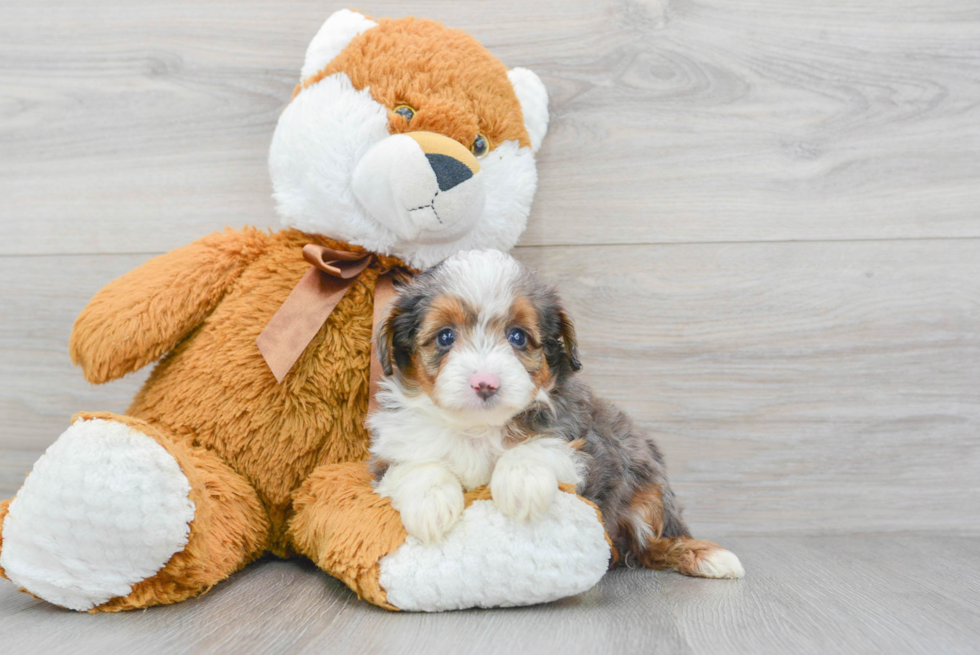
104 508
488 560
482 353
525 479
391 179
320 138
483 278
394 182
428 497
642 531
334 35
533 96
510 179
412 429
720 563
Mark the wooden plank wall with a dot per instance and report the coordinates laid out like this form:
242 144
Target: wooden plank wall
764 215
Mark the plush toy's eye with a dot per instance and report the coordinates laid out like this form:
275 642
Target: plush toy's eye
517 337
446 338
405 111
480 145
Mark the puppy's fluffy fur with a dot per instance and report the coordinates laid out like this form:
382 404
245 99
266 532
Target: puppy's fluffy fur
480 358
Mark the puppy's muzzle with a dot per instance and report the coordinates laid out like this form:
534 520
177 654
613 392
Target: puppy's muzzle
423 186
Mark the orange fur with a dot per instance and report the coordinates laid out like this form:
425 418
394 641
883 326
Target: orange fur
418 373
345 528
682 554
212 401
524 315
648 505
137 318
215 389
446 311
455 85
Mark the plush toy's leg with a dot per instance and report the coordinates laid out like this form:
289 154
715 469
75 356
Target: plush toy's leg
345 528
116 515
486 560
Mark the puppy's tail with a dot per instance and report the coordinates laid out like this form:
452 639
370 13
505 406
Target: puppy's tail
660 540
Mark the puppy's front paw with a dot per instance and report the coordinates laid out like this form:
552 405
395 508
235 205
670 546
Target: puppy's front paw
429 516
523 490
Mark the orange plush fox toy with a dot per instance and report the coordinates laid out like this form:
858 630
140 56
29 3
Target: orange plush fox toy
404 143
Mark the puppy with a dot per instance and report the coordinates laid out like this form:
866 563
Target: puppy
480 360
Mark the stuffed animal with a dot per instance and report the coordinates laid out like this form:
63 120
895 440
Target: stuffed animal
404 142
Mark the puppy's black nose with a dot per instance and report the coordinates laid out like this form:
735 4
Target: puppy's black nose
485 391
449 171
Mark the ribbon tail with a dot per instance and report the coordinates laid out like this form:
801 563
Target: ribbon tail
298 320
384 291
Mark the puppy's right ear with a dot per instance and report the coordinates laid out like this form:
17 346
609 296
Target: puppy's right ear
386 342
569 341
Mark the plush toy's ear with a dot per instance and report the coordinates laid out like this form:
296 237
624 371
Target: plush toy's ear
334 35
534 103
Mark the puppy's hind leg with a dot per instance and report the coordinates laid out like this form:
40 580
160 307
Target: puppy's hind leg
660 540
695 557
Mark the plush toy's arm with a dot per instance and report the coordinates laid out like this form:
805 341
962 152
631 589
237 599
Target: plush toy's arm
139 317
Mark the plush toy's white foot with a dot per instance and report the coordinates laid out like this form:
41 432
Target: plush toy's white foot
489 560
104 508
720 563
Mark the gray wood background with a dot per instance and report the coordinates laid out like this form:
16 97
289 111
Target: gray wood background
765 216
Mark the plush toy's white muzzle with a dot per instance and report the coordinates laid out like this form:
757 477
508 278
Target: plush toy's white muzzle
424 187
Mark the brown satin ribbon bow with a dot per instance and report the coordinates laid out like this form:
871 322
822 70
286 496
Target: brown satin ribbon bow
292 328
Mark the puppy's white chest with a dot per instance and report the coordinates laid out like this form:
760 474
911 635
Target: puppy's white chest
474 456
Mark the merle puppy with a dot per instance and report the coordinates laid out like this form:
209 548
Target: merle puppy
480 360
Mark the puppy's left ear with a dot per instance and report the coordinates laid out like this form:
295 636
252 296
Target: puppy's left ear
567 331
386 342
534 103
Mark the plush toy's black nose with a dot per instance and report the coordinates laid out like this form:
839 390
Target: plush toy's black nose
449 171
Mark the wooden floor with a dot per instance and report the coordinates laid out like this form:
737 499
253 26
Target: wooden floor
763 214
858 594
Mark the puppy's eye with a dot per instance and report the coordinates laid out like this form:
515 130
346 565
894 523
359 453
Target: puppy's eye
517 337
480 145
446 338
405 112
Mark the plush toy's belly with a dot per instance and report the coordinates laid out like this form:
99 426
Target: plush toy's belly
216 391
